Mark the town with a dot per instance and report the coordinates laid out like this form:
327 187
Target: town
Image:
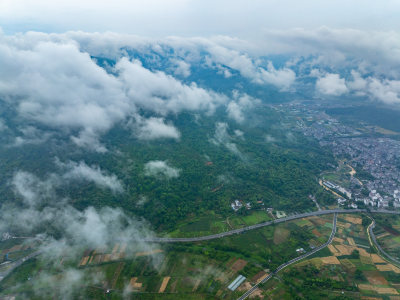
377 156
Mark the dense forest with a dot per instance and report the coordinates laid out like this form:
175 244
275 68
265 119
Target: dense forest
260 159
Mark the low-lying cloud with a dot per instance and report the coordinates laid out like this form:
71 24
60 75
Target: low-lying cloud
64 231
222 137
82 172
56 84
156 128
159 168
240 106
332 85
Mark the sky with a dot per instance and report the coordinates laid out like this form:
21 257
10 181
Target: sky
158 18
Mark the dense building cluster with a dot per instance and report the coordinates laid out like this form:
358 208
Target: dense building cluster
377 156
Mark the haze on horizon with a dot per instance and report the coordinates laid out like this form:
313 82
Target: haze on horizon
157 18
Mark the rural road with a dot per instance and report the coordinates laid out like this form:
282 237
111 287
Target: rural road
284 265
260 225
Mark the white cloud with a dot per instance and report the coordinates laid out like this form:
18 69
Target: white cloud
162 93
376 51
159 167
31 135
222 137
331 84
240 104
269 138
82 172
358 83
282 78
78 229
155 128
182 68
387 91
31 189
52 81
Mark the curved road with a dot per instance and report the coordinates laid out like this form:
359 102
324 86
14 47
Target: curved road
260 225
372 235
284 265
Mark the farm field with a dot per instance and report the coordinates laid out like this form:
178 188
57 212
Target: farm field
183 271
214 224
349 267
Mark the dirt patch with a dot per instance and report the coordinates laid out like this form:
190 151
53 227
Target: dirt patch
239 265
380 290
135 285
388 268
330 260
217 188
343 225
354 220
344 250
84 261
317 221
316 233
259 276
107 258
164 284
375 278
386 290
333 249
196 285
338 240
351 241
366 287
382 235
363 252
280 235
377 259
257 294
148 252
245 286
384 268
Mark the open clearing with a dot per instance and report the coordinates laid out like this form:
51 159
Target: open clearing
280 235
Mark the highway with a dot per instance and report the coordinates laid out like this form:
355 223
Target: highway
260 225
284 265
17 263
242 230
372 235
